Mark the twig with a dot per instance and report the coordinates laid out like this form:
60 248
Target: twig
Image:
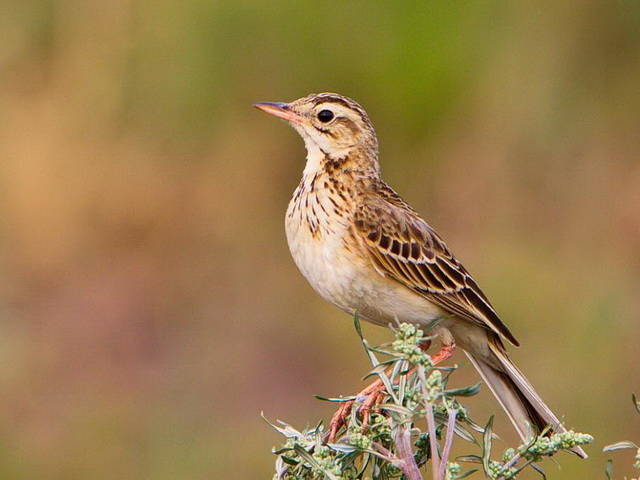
510 464
448 441
519 469
431 426
408 463
384 451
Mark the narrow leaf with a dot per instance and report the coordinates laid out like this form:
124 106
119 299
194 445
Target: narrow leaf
467 473
342 447
469 459
384 351
356 324
281 468
619 446
463 392
539 469
464 433
285 429
459 429
335 399
281 450
383 377
486 445
475 427
380 367
365 464
289 461
307 457
391 407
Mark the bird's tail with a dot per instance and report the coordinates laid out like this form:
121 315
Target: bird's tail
524 407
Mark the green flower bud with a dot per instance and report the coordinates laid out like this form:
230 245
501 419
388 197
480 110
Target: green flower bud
360 441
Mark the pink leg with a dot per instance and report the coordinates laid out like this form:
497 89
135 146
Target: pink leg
445 353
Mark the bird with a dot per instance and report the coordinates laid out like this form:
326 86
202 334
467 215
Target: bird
368 252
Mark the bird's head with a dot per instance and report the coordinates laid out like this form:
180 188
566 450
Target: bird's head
330 123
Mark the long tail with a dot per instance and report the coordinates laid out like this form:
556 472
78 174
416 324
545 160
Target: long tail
524 407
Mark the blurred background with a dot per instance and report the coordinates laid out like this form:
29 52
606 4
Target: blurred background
149 308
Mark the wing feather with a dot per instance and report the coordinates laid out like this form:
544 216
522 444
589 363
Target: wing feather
404 247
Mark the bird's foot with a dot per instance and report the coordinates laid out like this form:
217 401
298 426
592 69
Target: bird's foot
445 353
367 400
373 395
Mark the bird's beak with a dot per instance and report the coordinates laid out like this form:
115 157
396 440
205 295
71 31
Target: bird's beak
280 110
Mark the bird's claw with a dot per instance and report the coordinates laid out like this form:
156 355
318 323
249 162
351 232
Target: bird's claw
366 400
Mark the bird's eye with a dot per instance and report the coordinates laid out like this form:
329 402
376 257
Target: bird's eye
325 116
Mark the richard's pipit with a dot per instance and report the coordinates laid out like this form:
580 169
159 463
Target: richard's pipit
365 250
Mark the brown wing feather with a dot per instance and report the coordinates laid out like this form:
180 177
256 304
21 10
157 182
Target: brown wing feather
406 248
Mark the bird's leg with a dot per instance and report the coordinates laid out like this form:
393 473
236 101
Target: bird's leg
425 344
337 421
372 395
445 353
372 401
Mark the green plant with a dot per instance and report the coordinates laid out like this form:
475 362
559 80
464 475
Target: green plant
624 445
391 445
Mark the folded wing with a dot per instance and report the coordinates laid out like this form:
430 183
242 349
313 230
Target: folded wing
404 247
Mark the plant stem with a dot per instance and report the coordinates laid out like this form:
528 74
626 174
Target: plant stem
510 464
431 426
405 454
448 442
385 452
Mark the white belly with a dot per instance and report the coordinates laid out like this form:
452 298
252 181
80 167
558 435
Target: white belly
347 278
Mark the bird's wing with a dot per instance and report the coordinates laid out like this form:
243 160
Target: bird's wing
404 247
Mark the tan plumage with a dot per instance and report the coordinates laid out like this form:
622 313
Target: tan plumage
366 250
405 248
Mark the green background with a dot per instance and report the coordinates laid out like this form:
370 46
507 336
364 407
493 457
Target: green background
149 309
